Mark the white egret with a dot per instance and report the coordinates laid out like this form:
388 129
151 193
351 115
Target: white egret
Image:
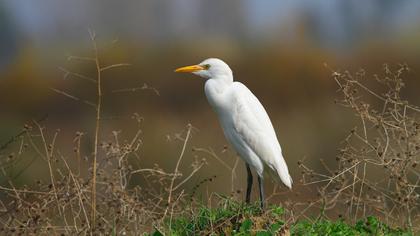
245 123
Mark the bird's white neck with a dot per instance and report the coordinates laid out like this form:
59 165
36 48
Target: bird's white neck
220 83
215 89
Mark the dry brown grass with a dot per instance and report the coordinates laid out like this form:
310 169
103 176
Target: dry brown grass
97 200
62 204
377 171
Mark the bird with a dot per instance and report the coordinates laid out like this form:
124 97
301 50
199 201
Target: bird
245 123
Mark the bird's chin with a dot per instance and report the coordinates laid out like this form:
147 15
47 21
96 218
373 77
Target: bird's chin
201 74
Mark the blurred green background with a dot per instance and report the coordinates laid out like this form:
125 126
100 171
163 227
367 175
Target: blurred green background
277 48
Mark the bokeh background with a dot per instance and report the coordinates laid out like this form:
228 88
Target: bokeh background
283 51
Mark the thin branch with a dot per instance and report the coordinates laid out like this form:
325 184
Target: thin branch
48 155
189 176
114 66
135 89
70 58
73 97
97 127
68 73
176 170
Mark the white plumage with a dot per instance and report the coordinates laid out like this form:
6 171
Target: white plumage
244 120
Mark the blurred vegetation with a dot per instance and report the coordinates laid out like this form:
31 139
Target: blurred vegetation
292 83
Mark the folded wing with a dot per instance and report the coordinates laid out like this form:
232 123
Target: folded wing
252 124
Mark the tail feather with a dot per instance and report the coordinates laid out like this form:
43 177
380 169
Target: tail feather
280 173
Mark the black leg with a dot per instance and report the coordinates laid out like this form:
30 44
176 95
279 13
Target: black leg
261 184
249 184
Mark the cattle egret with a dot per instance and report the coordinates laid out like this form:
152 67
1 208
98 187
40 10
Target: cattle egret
245 123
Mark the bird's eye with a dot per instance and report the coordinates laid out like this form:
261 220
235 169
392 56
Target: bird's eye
206 66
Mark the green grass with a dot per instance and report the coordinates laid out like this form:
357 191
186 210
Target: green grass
234 218
368 226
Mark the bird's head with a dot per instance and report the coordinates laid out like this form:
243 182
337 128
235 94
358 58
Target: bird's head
209 68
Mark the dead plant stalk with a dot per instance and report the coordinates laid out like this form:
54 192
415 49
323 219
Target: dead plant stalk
97 127
171 187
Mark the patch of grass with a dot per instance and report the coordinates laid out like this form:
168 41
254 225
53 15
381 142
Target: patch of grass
369 226
234 218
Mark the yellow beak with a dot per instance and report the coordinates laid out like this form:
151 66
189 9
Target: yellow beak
190 68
